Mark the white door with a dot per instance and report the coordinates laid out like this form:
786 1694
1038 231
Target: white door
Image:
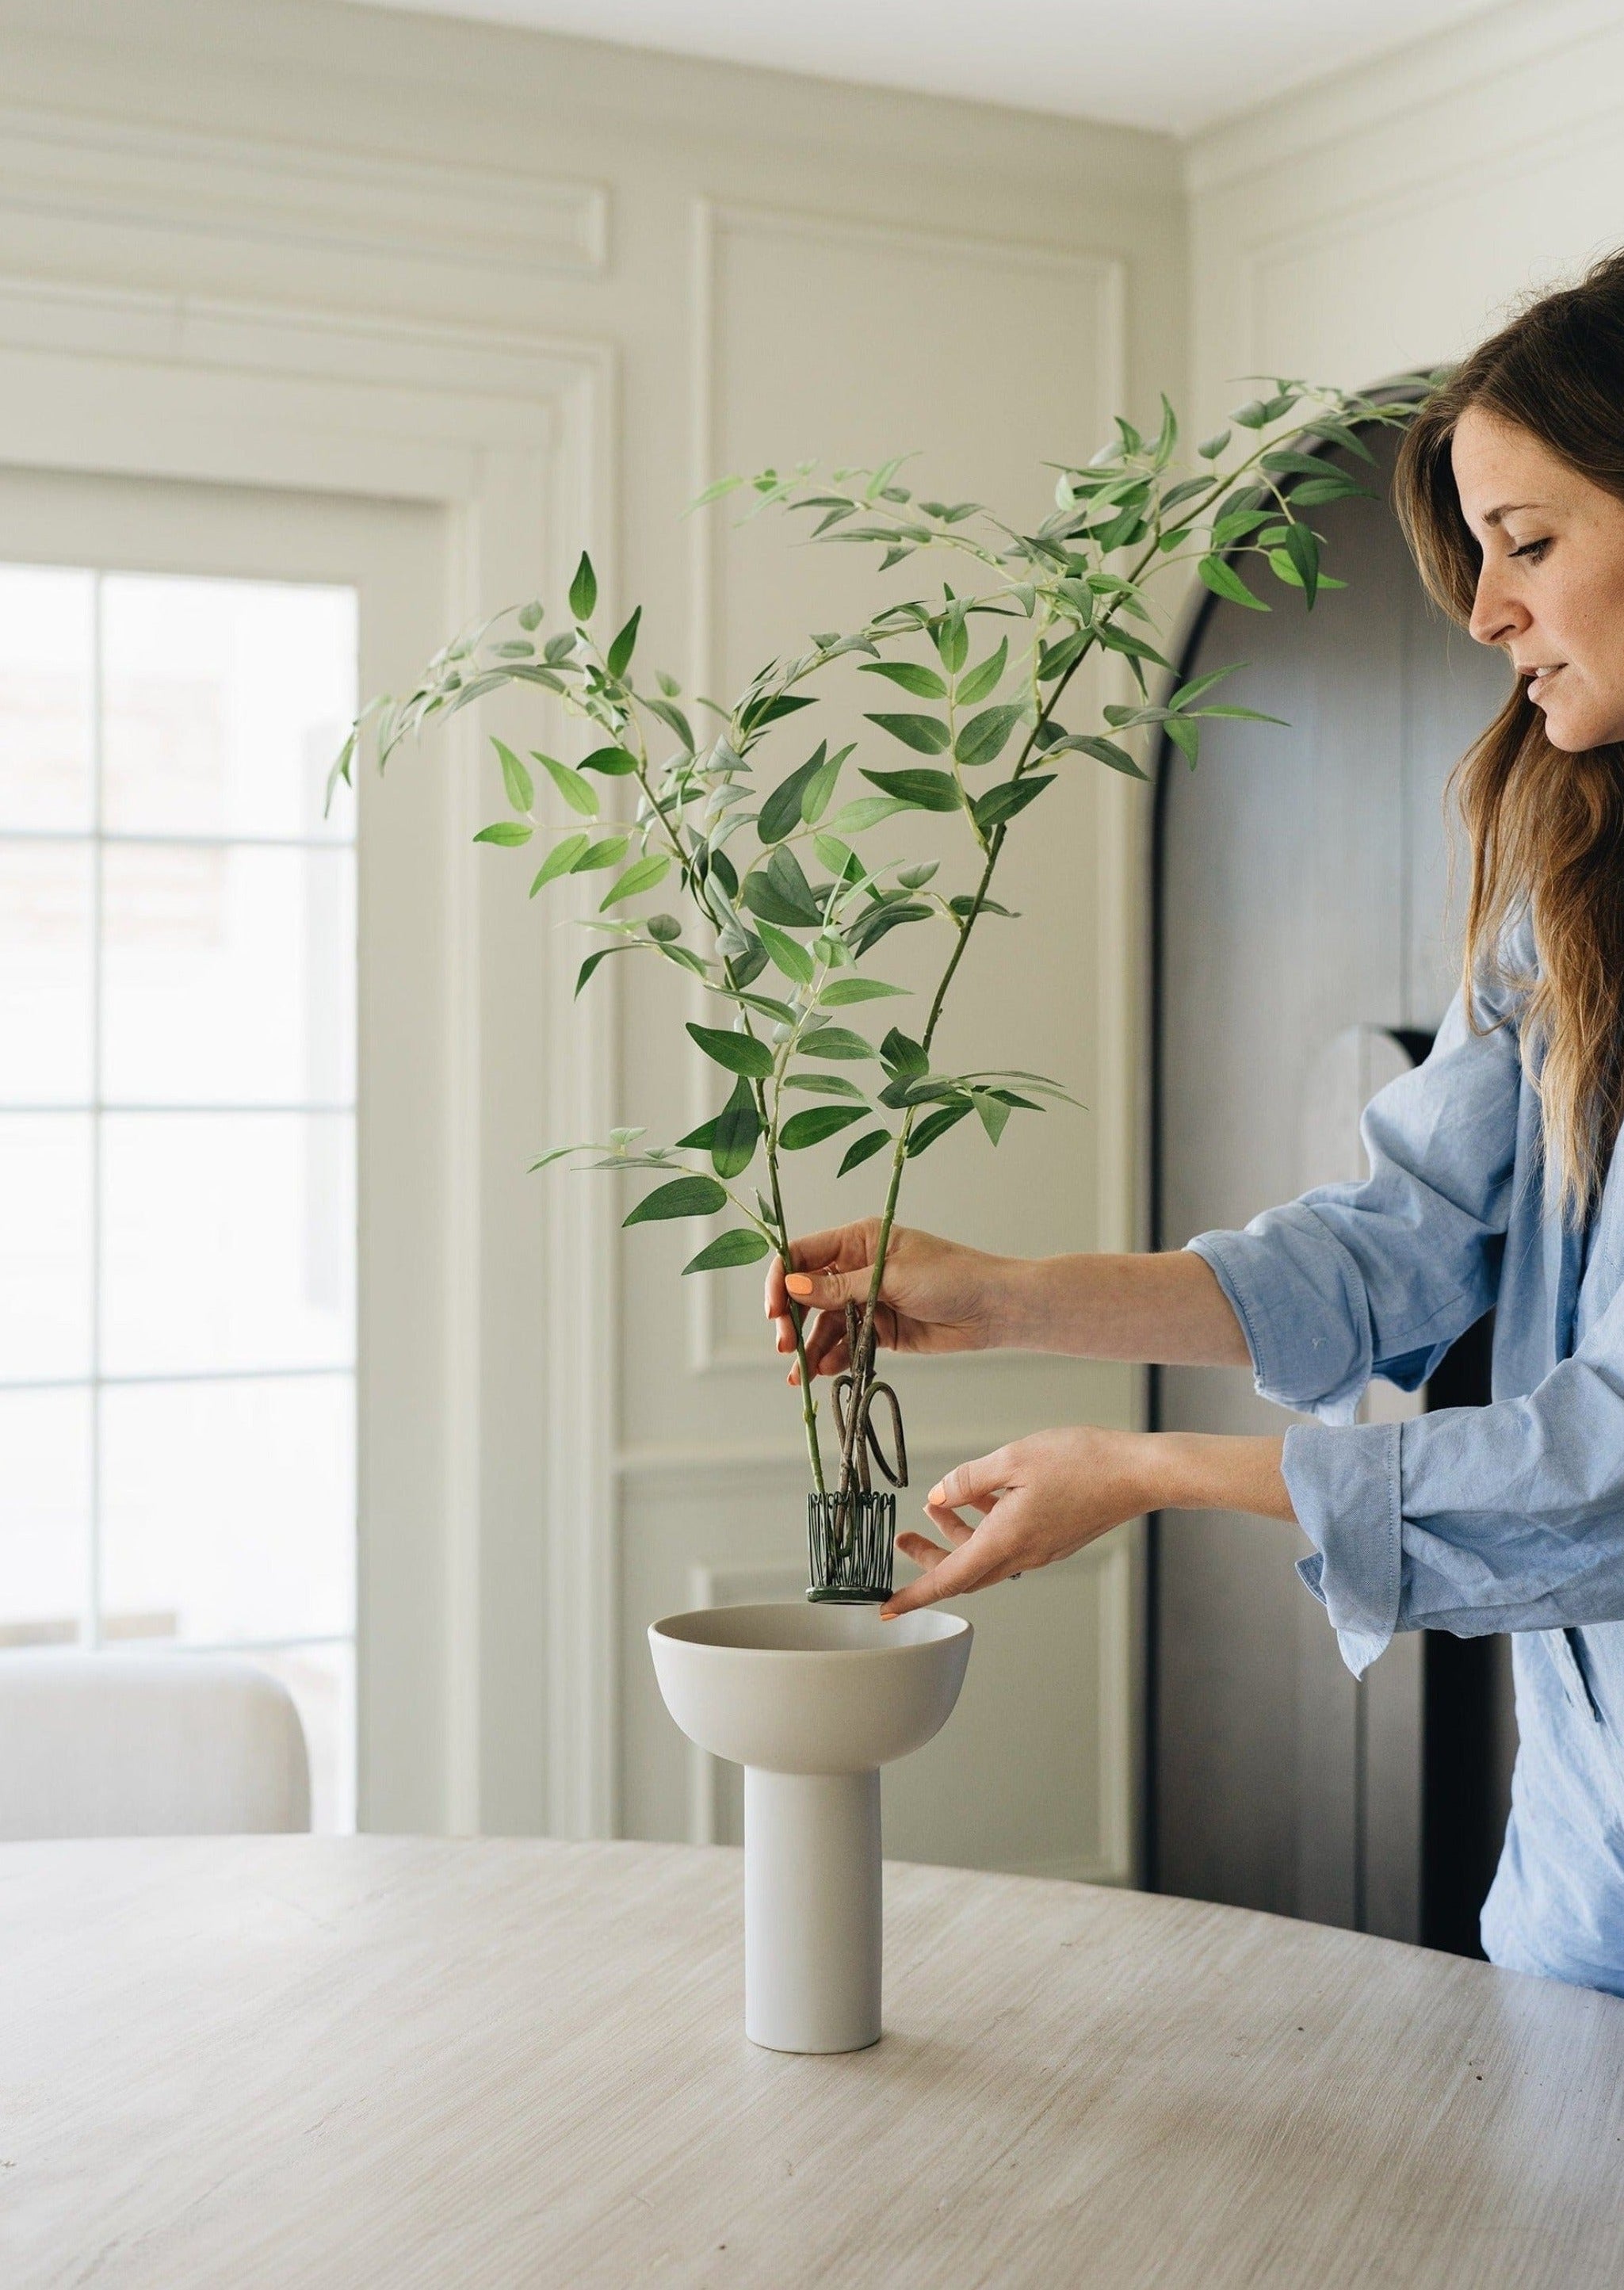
223 1170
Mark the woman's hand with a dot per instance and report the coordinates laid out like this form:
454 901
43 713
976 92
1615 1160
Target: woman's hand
1044 1497
1039 1500
936 1296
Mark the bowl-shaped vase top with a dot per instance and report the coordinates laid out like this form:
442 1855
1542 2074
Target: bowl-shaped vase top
810 1689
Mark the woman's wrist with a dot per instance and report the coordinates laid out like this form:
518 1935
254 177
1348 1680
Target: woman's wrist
1205 1470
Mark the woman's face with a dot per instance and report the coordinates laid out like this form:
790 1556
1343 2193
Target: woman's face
1551 589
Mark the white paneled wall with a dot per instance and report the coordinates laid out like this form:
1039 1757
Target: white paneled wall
1388 217
646 270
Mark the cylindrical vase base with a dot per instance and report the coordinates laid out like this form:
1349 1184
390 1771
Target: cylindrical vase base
813 1914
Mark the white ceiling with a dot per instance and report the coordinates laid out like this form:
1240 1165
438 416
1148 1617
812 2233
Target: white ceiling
1179 65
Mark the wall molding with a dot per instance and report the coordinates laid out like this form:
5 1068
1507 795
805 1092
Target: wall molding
121 175
1403 85
710 1352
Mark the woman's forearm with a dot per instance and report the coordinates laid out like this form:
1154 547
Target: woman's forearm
1167 1309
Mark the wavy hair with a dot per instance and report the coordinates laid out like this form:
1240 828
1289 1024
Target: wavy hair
1545 829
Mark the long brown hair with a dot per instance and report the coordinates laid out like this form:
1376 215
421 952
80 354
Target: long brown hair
1545 829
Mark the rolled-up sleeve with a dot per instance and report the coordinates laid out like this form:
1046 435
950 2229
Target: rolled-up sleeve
1472 1519
1379 1278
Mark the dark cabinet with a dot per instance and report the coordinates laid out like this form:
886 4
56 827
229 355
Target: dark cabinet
1302 940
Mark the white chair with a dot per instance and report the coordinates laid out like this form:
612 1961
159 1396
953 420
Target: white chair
147 1745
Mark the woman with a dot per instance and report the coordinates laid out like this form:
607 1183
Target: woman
1494 1180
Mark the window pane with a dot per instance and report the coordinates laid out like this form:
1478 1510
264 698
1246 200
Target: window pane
44 1514
227 975
224 704
45 1245
47 621
46 966
231 1506
321 1681
228 1241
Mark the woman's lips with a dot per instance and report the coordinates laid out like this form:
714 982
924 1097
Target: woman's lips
1540 682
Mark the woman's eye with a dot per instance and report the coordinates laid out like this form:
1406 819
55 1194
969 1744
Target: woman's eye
1534 550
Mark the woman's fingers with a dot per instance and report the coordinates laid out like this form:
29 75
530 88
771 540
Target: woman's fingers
983 1558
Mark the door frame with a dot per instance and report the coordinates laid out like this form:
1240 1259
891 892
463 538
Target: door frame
508 436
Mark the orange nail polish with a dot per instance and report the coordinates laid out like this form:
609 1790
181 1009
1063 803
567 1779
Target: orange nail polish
798 1285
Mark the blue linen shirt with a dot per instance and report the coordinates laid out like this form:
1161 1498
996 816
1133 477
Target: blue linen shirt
1505 1517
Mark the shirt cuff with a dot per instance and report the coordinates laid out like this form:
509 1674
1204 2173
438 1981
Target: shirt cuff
1345 1487
1301 1302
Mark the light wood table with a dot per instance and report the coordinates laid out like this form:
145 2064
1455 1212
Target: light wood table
227 2063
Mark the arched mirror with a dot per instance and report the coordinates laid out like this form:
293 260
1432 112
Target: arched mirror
1302 954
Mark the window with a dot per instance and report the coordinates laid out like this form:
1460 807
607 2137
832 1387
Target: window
177 1128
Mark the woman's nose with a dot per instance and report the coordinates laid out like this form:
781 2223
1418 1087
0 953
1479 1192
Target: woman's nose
1497 614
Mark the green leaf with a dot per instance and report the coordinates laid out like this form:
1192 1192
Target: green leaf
994 1113
816 1123
663 929
574 789
841 992
1001 803
1339 433
670 714
1225 582
1131 646
583 589
609 852
530 616
779 892
684 1196
935 1125
826 1086
741 1244
986 679
903 1056
642 875
923 682
856 818
927 735
920 790
1251 715
780 814
1314 493
560 859
1209 448
951 639
1103 751
872 925
1186 736
734 1131
1191 692
984 737
618 658
507 832
1303 549
819 788
791 958
863 1149
614 762
594 961
838 1041
1287 464
521 788
740 1054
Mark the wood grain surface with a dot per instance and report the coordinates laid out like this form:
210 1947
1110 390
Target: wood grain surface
299 2061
